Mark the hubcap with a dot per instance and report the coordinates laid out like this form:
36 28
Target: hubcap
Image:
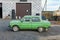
40 29
46 29
15 28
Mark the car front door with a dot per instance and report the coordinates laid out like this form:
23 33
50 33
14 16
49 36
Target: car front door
26 24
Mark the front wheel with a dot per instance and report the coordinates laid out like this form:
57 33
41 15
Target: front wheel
40 29
15 28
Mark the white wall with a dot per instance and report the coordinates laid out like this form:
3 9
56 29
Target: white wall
8 5
36 6
7 8
8 0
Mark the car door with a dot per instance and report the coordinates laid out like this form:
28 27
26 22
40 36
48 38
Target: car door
26 24
35 22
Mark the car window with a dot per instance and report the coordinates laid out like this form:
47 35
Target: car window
35 19
27 19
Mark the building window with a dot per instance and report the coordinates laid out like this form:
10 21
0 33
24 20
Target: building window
23 0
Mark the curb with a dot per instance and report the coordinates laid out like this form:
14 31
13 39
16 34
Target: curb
55 25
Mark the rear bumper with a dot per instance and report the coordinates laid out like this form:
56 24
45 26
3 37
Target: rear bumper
48 27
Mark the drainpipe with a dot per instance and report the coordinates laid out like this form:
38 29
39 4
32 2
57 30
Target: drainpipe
13 14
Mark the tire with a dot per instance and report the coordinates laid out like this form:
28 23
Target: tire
40 29
15 28
46 30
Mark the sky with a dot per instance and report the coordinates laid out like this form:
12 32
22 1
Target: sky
51 5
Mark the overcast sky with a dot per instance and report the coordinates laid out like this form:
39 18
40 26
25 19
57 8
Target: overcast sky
52 4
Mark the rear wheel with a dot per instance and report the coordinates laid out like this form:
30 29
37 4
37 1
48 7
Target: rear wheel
15 28
40 29
46 30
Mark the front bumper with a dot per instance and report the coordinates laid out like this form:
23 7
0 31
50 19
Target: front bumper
9 27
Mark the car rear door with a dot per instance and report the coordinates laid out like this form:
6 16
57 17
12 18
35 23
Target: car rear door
35 22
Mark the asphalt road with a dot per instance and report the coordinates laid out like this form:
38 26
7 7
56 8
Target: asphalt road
7 34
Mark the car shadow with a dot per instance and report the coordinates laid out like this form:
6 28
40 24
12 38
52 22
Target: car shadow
53 31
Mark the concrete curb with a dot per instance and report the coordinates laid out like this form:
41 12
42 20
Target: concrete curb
55 25
50 38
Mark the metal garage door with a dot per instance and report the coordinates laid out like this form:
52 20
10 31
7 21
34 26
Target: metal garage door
23 9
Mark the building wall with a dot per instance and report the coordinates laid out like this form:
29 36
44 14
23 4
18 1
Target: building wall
7 8
8 5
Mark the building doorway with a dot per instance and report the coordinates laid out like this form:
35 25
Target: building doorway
0 10
23 9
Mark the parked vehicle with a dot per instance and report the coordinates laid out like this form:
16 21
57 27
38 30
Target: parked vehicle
30 22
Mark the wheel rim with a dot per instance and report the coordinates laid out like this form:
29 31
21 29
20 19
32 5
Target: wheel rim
46 29
15 28
40 29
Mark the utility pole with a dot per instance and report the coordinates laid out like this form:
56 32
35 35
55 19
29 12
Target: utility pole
59 8
42 9
45 6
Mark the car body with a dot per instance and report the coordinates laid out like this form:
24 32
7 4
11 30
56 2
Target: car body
30 22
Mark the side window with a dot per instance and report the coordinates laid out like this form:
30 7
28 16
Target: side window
27 19
35 19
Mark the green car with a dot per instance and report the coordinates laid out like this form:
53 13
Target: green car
30 22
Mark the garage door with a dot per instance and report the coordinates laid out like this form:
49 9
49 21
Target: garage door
23 9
